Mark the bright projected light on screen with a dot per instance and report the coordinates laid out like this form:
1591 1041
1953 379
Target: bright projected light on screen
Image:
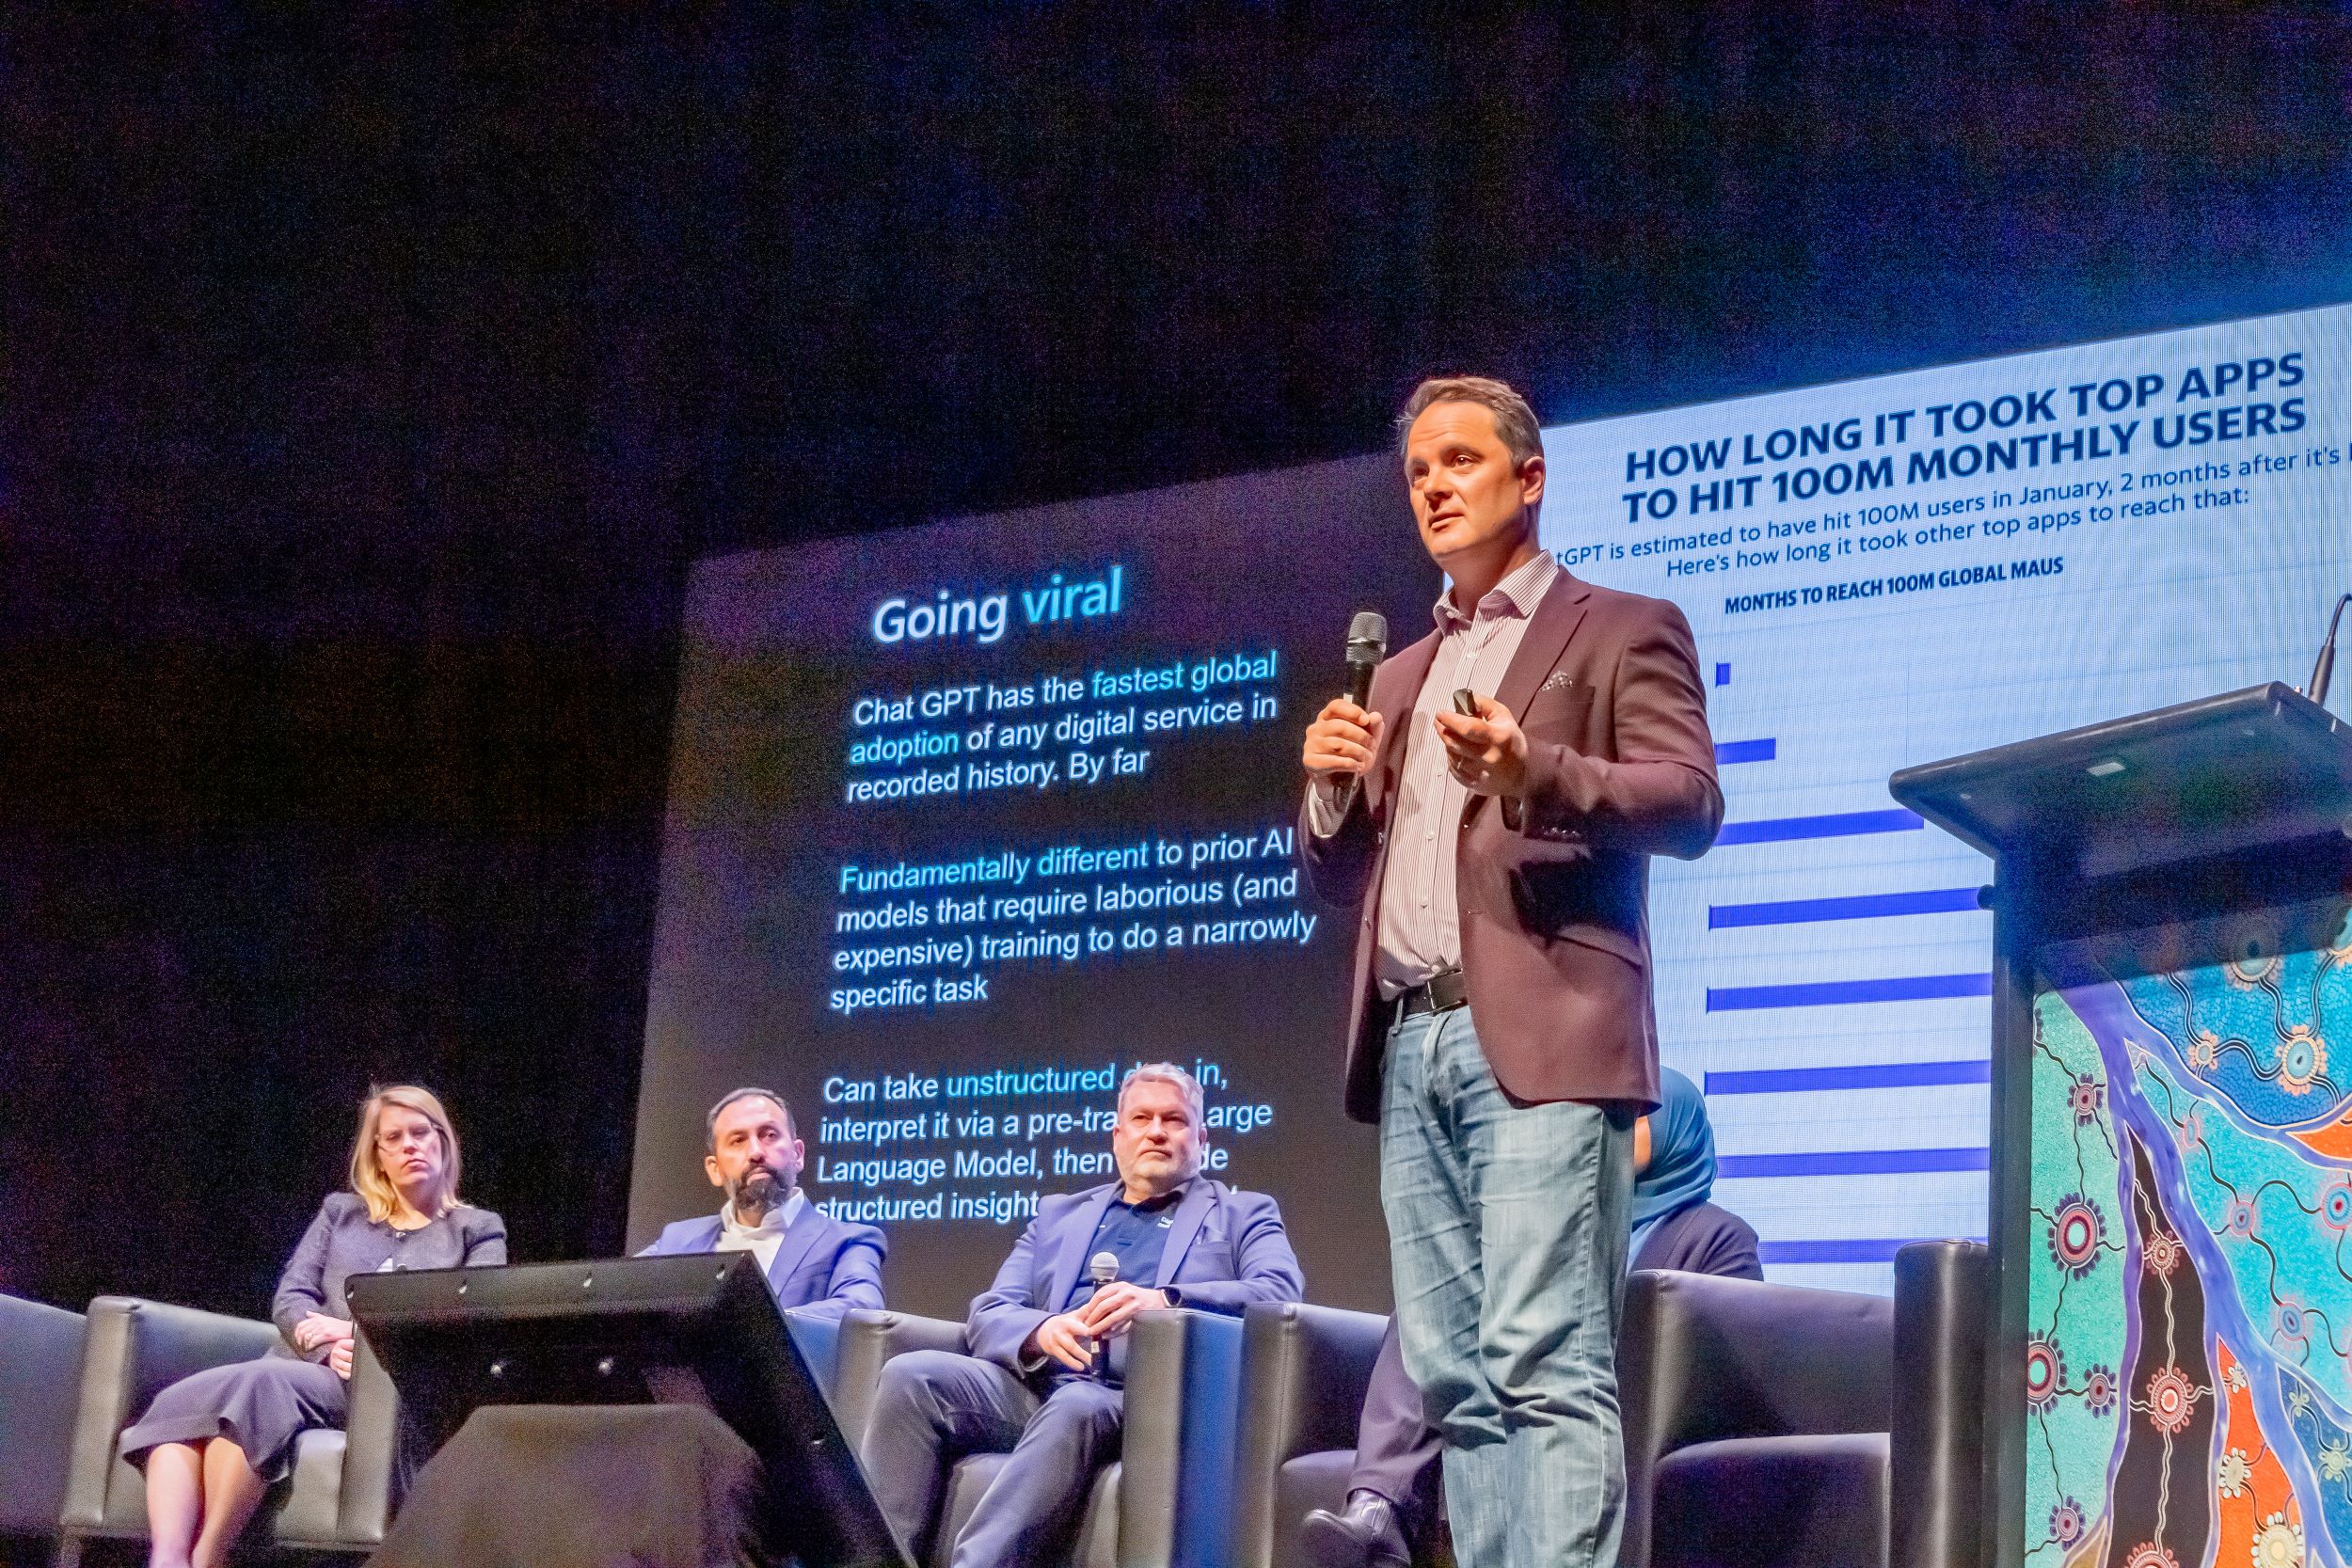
967 819
1889 571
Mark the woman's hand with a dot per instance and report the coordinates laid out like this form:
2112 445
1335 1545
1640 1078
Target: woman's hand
317 1329
339 1358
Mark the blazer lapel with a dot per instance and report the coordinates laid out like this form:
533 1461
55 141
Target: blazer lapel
1555 619
1549 629
799 1237
1070 1250
1190 1212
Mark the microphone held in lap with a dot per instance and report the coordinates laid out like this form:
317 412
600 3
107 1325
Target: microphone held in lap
1103 1269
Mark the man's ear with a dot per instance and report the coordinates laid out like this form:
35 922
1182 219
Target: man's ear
1532 480
711 1169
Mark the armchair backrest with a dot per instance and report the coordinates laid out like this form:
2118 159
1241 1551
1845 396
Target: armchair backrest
1304 1372
1701 1358
135 1350
40 1377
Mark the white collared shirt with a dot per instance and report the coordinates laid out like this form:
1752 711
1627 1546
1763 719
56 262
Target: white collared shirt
761 1240
1420 928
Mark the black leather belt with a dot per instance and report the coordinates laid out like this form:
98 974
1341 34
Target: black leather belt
1440 994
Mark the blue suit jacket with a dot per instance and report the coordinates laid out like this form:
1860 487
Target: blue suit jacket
1225 1250
823 1265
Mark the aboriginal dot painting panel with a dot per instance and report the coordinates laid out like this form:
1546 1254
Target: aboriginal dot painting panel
2188 1359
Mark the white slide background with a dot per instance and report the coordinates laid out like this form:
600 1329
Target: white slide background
1849 1097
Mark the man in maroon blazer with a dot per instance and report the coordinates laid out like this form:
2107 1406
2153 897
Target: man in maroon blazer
1501 1031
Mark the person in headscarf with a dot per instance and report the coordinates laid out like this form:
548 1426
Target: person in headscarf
1392 1491
1674 1227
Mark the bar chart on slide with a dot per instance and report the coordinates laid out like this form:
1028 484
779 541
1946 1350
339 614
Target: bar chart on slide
1885 572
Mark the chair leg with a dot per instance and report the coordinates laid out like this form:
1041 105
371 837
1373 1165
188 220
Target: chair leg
69 1551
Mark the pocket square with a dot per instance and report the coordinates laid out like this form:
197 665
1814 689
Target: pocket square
1554 681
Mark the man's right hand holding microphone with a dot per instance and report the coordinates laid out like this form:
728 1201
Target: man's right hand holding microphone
1340 744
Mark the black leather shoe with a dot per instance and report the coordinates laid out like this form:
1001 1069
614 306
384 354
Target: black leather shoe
1366 1535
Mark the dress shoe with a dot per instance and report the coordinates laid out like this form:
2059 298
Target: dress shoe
1367 1534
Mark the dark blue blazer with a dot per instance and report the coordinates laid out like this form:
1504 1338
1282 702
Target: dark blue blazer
823 1265
1225 1250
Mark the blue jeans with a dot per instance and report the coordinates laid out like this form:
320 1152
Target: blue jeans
1507 1235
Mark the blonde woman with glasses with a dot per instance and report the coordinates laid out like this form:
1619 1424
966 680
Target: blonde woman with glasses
211 1444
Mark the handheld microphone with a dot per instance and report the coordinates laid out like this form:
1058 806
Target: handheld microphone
1367 645
2317 690
1102 1267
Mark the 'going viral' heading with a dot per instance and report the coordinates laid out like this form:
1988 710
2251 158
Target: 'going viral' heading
983 617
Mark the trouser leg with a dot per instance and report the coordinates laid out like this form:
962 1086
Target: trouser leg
931 1408
1552 1187
1029 1511
1507 1227
1396 1447
1435 1256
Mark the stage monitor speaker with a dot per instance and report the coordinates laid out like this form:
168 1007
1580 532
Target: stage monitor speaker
693 1330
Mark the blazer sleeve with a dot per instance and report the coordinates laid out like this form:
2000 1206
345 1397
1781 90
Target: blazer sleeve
1339 868
1003 1317
856 1279
1660 797
1264 1268
485 1241
302 1287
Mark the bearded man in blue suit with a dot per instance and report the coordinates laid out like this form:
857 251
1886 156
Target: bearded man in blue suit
1031 1386
812 1260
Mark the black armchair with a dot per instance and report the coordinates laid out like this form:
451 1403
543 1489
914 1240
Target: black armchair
339 1495
41 1376
1755 1423
1764 1424
1304 1371
1165 1504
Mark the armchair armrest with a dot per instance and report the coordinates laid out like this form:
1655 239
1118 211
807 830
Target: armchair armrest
1701 1358
1304 1372
817 1337
1936 1450
135 1350
870 1338
1182 1404
373 1475
40 1375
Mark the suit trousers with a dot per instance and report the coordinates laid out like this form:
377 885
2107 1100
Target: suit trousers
934 1407
1396 1449
1507 1228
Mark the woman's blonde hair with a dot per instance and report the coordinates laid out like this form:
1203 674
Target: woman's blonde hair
366 1176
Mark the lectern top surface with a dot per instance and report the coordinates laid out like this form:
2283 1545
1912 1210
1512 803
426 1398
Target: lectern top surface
2221 773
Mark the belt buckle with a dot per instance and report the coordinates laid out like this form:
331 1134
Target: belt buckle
1447 991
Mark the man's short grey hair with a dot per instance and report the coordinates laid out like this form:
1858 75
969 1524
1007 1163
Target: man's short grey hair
710 1122
1514 421
1169 1072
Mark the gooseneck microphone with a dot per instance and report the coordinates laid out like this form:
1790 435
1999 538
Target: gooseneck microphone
1102 1267
2317 690
1367 645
